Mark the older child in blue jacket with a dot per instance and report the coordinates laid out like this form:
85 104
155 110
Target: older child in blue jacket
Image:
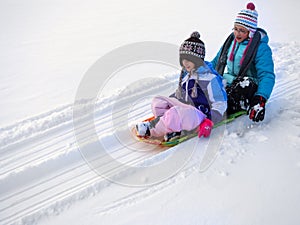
251 92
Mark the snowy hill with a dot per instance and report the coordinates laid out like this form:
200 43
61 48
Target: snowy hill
251 177
254 178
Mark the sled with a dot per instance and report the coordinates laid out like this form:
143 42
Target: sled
186 135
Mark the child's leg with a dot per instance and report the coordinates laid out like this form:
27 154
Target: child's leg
239 94
176 119
161 104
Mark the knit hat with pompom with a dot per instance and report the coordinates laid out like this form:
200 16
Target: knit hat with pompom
192 49
248 18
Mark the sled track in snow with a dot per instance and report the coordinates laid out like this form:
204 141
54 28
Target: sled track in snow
42 156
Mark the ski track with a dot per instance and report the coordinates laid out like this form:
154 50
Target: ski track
44 148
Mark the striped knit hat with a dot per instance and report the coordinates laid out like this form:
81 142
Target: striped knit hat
192 49
248 18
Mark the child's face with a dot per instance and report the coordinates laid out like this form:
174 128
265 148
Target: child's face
188 65
240 33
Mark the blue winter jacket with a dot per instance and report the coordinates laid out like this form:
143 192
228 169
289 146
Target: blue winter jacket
211 96
261 69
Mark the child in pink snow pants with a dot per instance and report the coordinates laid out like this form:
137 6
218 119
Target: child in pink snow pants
198 103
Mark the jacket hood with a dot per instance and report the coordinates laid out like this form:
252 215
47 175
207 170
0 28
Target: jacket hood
264 37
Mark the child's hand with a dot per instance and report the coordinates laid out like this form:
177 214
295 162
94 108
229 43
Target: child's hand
205 127
256 110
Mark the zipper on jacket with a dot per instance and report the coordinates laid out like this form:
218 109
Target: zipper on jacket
187 87
235 51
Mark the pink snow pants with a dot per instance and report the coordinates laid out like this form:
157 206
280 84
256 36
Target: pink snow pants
174 116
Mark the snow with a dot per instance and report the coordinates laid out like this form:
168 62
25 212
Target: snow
51 168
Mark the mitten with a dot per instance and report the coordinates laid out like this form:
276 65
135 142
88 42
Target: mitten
205 128
256 110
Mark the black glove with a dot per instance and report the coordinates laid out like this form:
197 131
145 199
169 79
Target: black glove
256 110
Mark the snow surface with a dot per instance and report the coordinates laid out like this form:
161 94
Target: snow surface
46 49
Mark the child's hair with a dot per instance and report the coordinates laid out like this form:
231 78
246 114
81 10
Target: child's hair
194 93
178 92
